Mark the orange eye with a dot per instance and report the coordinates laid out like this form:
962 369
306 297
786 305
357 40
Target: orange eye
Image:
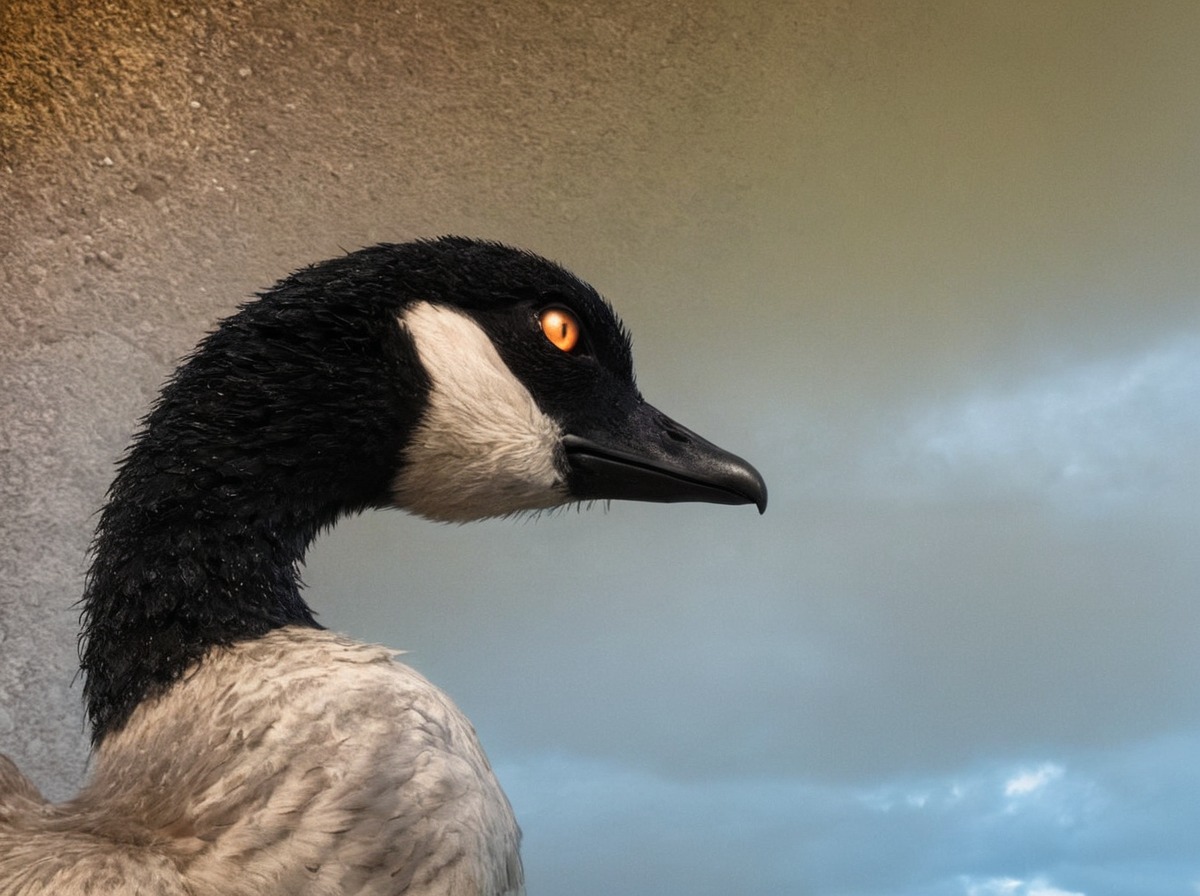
561 328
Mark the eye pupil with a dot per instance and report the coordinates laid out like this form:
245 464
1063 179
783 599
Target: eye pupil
561 327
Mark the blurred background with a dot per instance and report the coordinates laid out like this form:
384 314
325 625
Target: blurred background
932 267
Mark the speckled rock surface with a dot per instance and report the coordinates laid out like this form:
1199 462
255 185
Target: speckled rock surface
160 161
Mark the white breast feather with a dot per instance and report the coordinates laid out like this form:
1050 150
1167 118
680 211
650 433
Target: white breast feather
308 762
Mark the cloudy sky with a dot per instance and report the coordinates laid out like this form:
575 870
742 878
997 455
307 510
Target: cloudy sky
948 300
934 268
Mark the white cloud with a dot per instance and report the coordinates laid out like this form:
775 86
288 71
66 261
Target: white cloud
917 800
1101 431
595 827
909 797
1011 886
1038 888
1027 782
996 886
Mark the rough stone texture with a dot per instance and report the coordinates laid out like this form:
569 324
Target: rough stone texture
159 161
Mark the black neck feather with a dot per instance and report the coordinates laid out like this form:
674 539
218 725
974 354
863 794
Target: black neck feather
293 413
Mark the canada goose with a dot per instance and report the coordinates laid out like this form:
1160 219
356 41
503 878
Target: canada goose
239 748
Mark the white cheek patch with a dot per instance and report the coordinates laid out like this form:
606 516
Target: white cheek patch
483 447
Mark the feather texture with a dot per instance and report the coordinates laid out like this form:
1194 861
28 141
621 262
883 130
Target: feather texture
308 762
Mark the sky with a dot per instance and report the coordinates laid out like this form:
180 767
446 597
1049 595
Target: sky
957 328
931 267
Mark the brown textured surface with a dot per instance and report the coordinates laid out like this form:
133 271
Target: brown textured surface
159 161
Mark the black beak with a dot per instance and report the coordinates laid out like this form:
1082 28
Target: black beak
653 458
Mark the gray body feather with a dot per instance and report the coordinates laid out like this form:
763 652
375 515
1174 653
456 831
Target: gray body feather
308 762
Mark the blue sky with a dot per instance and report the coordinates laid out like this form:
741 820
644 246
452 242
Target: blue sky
975 677
934 270
996 828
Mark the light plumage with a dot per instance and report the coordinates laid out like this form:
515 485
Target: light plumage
275 772
483 447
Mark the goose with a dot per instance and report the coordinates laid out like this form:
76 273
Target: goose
238 746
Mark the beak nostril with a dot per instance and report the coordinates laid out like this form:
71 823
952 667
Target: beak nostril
677 436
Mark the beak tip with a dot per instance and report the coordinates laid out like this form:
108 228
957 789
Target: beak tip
758 494
658 460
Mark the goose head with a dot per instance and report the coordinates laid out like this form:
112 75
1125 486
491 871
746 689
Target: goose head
453 378
532 403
